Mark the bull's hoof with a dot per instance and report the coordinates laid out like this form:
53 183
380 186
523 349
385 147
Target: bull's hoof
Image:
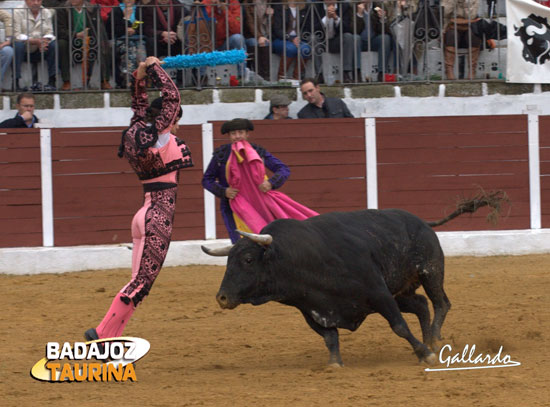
335 365
430 359
436 345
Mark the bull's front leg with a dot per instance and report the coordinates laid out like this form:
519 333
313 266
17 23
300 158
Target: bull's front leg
330 335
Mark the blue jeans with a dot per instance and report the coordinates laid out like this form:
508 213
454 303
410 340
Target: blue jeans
21 55
6 56
235 41
291 49
383 44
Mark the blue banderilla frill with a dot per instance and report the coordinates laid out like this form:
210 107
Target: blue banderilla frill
230 57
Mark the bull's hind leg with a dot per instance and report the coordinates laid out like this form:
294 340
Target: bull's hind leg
432 281
417 304
386 305
330 335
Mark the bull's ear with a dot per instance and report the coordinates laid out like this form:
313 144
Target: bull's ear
263 240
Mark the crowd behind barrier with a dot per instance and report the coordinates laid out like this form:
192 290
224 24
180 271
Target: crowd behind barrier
76 44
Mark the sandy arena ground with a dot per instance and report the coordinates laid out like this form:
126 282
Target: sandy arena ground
267 355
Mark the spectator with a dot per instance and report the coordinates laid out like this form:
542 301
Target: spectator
160 22
278 108
228 34
25 117
256 32
105 7
123 24
458 15
376 35
319 105
288 18
82 37
34 40
236 174
338 22
6 50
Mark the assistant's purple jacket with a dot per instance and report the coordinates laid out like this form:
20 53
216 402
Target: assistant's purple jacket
214 180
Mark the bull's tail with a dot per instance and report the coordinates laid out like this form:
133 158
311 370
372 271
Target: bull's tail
493 200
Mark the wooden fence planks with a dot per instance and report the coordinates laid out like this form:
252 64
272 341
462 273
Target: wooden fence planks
20 188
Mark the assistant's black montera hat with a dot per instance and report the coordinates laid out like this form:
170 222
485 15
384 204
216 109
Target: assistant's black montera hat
237 124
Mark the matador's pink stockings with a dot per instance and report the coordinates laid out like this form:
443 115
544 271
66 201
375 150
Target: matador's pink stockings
119 313
116 318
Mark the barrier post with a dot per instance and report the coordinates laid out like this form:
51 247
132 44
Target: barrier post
209 198
47 186
371 164
534 165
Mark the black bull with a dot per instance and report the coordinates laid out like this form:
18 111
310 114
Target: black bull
339 267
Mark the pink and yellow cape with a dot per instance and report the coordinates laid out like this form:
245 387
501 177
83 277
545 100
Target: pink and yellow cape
252 208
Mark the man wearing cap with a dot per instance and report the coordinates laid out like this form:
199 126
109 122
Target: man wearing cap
278 108
236 174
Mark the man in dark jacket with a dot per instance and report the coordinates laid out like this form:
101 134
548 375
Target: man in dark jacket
82 37
25 113
320 106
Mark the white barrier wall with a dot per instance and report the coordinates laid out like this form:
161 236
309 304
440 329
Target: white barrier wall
79 258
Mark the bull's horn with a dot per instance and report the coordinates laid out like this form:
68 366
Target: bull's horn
221 251
261 239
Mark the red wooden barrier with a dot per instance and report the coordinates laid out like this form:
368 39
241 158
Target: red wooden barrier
20 188
544 137
426 163
96 193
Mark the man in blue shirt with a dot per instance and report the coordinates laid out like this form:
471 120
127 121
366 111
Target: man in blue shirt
25 113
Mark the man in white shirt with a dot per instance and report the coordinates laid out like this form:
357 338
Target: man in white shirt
34 40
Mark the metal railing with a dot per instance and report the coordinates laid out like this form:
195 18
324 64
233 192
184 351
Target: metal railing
341 42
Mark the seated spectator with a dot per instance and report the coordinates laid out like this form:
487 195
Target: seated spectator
6 50
288 18
34 41
124 26
320 106
227 32
332 15
82 38
278 108
457 19
106 7
160 22
376 36
25 117
256 28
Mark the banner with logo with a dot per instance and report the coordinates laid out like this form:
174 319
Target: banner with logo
528 29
